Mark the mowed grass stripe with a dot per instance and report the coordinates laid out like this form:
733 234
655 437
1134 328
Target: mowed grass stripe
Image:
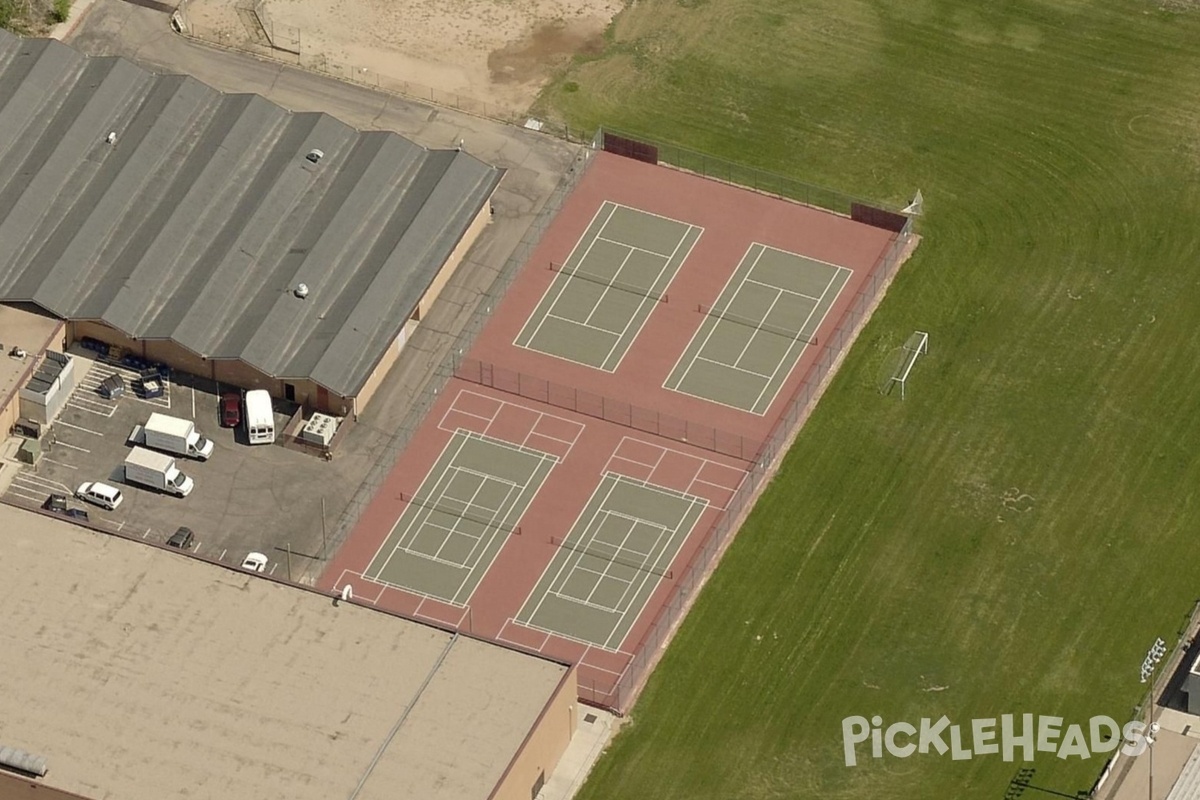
1013 536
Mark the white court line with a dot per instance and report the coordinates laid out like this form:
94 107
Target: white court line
635 247
555 283
706 320
658 277
342 578
490 525
758 328
783 290
79 428
807 319
609 286
707 360
658 541
719 320
454 407
413 521
566 560
583 324
579 427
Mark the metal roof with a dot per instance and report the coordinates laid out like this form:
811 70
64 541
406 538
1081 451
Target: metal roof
202 215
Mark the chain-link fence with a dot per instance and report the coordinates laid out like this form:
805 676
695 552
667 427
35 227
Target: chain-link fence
486 305
653 151
609 409
621 696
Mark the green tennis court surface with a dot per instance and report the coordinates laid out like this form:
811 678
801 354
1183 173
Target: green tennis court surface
452 528
608 286
611 561
750 340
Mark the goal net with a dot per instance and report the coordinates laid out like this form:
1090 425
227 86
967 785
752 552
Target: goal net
900 364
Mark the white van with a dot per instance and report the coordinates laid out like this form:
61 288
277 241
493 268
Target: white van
260 419
100 494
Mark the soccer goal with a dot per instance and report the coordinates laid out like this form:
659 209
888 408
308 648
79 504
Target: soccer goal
901 364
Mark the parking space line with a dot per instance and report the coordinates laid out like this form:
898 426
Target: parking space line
72 446
223 552
29 497
79 428
61 464
38 480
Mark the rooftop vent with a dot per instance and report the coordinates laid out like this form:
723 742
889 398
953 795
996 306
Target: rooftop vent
302 291
315 155
19 760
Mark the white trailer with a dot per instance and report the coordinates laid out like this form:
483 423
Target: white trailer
156 471
260 418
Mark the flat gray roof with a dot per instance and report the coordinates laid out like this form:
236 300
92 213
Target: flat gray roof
139 672
202 216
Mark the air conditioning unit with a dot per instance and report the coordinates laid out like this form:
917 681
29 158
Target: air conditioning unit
19 760
320 429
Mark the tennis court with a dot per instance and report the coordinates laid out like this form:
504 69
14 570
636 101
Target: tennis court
749 341
458 520
604 292
611 561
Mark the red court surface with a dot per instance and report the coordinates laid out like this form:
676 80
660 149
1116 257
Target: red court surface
587 446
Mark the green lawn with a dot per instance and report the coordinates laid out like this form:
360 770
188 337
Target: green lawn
887 570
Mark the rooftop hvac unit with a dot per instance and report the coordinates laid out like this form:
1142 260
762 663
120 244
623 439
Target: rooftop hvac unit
320 429
19 760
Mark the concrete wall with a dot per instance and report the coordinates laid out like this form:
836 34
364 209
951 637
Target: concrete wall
456 256
385 364
545 744
13 787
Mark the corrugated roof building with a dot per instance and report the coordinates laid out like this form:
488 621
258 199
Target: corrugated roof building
160 215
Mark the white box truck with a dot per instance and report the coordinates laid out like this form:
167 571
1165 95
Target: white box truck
260 419
174 435
156 471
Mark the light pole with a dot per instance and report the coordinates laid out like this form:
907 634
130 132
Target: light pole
1149 665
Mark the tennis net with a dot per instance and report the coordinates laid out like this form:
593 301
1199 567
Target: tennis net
759 325
615 558
609 282
461 513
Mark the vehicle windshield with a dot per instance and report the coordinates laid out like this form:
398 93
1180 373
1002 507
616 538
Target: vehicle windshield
201 443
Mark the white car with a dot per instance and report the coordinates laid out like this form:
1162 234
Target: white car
100 494
255 562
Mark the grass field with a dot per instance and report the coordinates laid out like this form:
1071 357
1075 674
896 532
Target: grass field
1013 536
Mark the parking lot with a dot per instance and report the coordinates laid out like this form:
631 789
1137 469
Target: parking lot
263 498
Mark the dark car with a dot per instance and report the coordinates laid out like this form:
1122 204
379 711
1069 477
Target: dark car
231 410
181 538
56 503
112 387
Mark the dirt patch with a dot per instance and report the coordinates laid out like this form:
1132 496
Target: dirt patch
499 52
549 45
